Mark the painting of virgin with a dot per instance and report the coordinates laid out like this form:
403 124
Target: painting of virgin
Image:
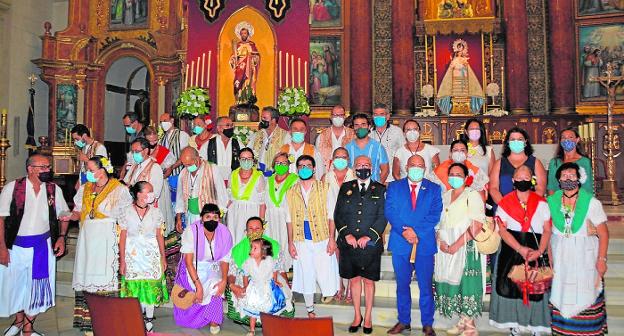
325 80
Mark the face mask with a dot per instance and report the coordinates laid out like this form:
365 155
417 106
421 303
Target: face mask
517 146
474 135
305 173
456 182
166 125
80 143
568 145
46 176
340 163
380 121
137 157
263 124
192 168
228 132
91 177
459 157
563 184
337 121
246 164
150 198
198 130
211 225
415 174
363 173
281 169
522 185
130 130
361 133
412 135
298 137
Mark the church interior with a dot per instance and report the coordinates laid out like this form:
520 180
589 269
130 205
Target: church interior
541 65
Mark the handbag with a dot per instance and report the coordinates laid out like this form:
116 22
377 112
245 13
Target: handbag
487 239
181 297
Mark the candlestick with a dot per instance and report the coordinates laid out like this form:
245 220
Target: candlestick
197 73
592 131
209 65
305 74
202 71
502 79
491 59
426 60
192 71
298 71
286 70
186 76
421 82
580 131
292 69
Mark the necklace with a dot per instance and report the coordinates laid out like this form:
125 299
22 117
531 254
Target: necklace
568 215
571 196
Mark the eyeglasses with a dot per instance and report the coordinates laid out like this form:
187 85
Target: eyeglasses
42 167
306 166
283 163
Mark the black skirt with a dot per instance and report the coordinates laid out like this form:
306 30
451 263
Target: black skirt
355 262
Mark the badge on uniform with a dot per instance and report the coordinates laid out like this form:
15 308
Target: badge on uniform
349 192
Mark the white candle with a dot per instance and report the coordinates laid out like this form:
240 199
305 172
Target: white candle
305 76
197 73
592 131
280 70
292 69
580 130
186 76
286 70
202 71
192 71
209 63
299 71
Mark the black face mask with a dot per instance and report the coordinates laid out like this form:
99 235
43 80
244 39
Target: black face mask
211 225
363 173
523 185
263 124
46 176
568 184
228 132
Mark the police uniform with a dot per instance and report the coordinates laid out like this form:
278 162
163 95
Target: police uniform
360 214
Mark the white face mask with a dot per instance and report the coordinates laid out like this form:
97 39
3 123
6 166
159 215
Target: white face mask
166 125
150 198
337 121
458 157
412 135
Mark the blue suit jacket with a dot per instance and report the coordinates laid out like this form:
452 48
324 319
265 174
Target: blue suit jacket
398 211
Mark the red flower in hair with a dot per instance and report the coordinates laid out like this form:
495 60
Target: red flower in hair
469 180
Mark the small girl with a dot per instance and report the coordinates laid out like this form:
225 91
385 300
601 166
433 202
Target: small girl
262 290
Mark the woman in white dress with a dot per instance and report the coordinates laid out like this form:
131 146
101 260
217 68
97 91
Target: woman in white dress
411 129
274 197
246 191
98 206
479 152
166 159
142 262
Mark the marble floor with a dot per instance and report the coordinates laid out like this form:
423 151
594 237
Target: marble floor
58 322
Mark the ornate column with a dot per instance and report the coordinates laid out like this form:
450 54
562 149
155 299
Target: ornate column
403 57
561 23
361 56
516 56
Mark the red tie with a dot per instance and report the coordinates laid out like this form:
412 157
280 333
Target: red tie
413 196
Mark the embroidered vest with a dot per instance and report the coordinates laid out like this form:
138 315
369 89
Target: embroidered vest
212 152
316 211
325 146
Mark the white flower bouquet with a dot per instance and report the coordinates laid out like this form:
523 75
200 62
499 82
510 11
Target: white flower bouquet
242 134
193 102
293 102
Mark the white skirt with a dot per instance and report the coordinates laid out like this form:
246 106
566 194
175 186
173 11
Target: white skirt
237 215
313 265
165 206
97 256
276 228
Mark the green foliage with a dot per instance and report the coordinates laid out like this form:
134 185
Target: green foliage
293 102
193 102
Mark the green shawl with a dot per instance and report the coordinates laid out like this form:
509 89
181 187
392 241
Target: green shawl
240 252
580 211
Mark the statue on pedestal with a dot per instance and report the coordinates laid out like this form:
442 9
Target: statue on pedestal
245 60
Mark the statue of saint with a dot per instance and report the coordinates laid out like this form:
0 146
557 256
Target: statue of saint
245 60
460 91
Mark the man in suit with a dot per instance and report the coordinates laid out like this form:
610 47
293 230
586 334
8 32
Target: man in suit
360 221
413 208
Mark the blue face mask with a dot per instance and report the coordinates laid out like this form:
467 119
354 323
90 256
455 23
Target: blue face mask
517 146
568 145
137 157
380 121
91 177
193 168
415 174
198 130
340 163
298 137
130 130
80 143
456 182
305 173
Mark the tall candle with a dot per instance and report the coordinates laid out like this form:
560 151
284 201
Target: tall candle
186 77
286 70
305 77
592 131
426 60
209 64
292 69
202 71
580 131
280 70
197 73
421 82
502 79
586 130
192 71
299 71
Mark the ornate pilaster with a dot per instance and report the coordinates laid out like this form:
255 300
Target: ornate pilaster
538 57
382 57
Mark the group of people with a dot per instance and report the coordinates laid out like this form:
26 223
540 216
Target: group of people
246 214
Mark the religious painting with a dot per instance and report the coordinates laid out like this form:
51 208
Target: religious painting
66 104
459 67
457 9
325 13
129 14
597 46
599 7
325 79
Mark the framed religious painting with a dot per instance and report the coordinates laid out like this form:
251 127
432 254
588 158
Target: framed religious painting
66 105
599 8
326 13
598 44
129 14
325 80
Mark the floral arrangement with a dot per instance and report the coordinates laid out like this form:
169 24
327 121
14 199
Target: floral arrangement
426 113
492 90
427 91
106 164
242 134
497 112
193 102
293 102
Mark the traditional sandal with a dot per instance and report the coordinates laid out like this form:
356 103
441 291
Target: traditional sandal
32 332
149 325
13 329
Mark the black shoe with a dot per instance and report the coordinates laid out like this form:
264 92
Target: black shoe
367 331
354 329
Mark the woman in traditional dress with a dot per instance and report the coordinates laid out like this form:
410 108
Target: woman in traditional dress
206 246
98 206
524 226
142 262
246 194
413 145
476 179
579 251
338 174
277 186
459 268
570 150
479 152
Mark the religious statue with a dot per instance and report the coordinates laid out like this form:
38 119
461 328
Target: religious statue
450 9
592 62
460 91
245 60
